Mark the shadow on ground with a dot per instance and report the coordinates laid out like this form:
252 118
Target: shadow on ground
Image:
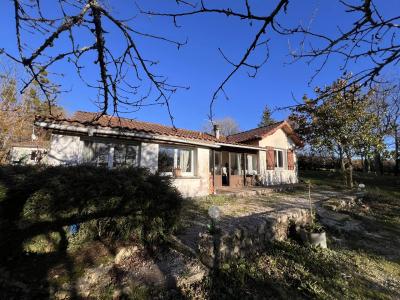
38 252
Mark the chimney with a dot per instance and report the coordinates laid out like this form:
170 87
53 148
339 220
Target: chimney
216 131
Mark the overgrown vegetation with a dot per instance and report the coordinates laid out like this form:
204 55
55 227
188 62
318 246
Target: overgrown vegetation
290 271
38 206
357 265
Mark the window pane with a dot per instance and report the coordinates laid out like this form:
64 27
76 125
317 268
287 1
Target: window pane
236 163
251 162
255 164
165 159
88 152
131 155
218 161
119 155
101 154
280 159
184 160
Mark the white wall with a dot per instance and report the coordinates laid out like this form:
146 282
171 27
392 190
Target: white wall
64 150
195 186
149 156
23 155
278 140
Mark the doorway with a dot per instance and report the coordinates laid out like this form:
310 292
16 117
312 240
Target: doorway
225 168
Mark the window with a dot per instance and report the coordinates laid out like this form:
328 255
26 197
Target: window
96 153
215 162
251 164
170 158
125 155
279 159
110 155
237 161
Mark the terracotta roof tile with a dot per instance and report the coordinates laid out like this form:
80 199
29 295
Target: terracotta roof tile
260 132
81 118
89 118
253 134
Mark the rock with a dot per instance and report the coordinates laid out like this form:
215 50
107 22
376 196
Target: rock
61 295
125 253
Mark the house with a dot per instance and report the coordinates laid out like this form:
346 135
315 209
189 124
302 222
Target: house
199 162
27 152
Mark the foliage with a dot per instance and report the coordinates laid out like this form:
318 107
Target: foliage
107 204
266 118
343 123
17 112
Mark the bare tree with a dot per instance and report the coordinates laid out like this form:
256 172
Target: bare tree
122 76
127 80
227 126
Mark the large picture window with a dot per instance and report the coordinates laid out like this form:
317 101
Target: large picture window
110 154
171 157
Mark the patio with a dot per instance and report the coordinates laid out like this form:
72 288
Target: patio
251 216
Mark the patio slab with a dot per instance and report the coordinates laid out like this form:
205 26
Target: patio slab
248 208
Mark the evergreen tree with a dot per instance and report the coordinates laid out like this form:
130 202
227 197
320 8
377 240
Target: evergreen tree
266 118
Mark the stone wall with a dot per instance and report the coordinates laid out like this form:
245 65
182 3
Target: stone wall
249 235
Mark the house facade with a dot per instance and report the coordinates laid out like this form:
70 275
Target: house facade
200 163
27 152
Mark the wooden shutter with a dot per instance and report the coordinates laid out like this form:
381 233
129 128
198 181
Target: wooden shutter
270 159
290 159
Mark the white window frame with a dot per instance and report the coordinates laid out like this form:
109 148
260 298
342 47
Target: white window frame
284 159
110 156
192 160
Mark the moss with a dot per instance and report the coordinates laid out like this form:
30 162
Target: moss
43 243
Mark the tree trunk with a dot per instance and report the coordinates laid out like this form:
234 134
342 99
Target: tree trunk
342 166
350 178
350 168
378 163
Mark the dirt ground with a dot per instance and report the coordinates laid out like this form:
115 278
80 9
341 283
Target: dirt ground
129 271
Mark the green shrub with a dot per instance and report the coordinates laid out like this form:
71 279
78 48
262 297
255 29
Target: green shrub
116 204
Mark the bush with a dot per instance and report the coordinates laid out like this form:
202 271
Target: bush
116 204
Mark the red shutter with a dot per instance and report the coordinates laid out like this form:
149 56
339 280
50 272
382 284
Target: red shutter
290 160
270 159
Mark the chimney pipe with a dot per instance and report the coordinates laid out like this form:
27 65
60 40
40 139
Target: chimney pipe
216 131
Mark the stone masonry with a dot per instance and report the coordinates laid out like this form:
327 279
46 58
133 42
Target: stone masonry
249 235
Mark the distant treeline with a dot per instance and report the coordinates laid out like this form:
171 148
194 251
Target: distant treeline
319 162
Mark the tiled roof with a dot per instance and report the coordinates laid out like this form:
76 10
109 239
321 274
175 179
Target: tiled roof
260 132
253 134
81 118
89 118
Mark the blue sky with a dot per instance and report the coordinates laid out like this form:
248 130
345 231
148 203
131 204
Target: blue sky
199 64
